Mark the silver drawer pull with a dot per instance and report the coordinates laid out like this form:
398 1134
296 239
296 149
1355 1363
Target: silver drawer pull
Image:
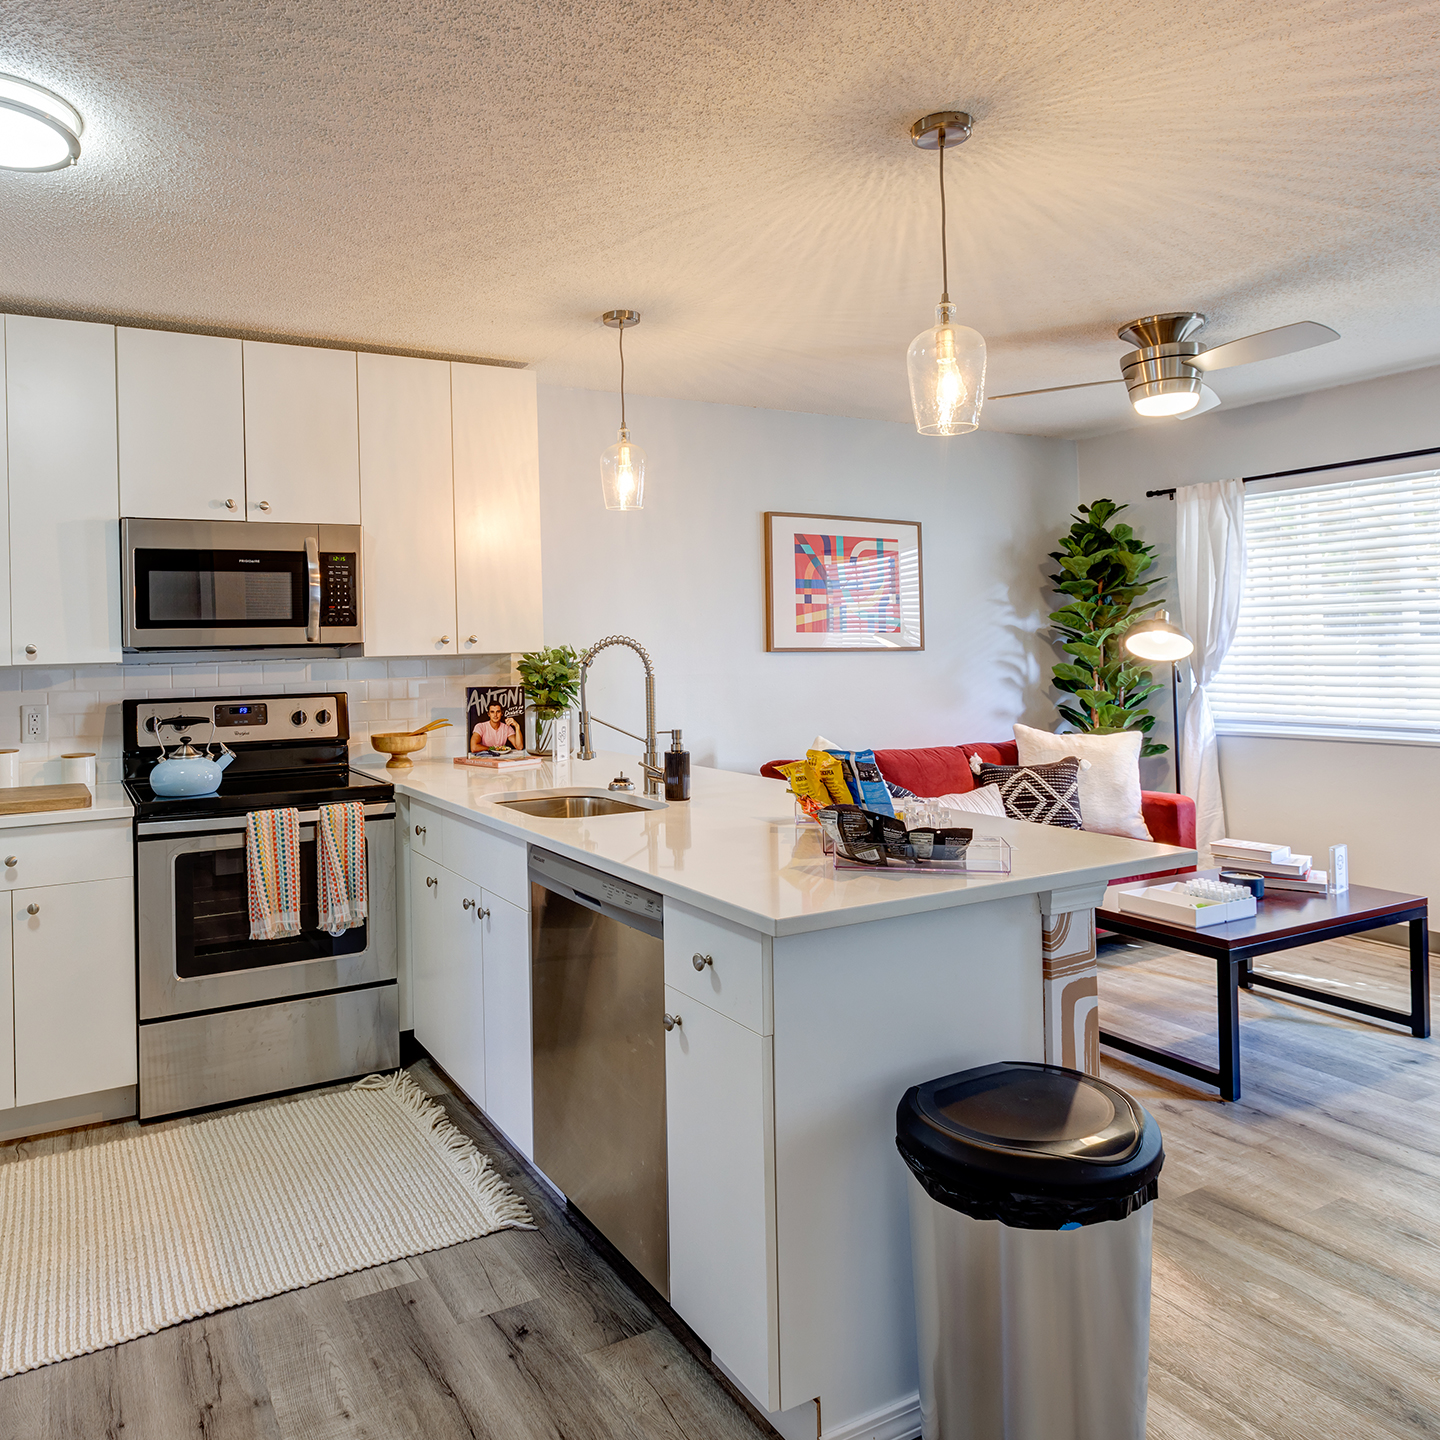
430 880
482 913
264 504
32 909
467 904
672 1022
30 650
419 829
700 961
229 504
473 640
11 861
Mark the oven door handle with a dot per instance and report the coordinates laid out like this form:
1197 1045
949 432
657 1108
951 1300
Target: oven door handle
312 566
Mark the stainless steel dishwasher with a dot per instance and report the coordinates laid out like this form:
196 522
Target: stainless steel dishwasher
598 993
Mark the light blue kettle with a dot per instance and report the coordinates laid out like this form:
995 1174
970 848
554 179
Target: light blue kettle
189 772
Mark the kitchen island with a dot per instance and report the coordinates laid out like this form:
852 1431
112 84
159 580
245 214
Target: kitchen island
809 1000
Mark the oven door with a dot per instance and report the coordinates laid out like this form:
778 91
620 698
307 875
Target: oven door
193 913
204 585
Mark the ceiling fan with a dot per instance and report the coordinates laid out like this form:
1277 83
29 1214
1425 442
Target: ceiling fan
1165 373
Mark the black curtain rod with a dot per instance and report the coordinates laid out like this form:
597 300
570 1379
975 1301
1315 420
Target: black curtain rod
1312 469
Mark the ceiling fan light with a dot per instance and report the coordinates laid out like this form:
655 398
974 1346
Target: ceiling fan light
1167 402
947 376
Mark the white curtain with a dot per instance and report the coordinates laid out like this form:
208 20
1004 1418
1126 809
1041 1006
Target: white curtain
1210 574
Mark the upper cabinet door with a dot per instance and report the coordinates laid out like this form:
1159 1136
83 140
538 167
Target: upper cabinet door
407 506
497 509
302 435
182 425
64 492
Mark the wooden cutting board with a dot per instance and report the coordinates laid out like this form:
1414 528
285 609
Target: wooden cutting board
25 799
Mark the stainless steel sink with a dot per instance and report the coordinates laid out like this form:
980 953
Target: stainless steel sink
573 807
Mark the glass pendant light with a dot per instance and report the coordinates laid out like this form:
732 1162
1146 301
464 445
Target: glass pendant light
946 364
622 466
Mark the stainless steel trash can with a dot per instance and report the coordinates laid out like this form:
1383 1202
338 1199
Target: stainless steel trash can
1030 1218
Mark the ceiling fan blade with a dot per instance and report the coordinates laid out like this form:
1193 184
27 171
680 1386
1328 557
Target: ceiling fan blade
1266 345
1051 389
1208 401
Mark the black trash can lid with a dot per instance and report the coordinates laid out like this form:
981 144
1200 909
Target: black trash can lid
1030 1140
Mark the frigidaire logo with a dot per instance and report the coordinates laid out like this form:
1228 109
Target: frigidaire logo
244 561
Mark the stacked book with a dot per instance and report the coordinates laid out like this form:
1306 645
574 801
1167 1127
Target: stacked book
1282 869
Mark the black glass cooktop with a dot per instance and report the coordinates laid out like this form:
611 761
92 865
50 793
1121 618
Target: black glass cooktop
239 794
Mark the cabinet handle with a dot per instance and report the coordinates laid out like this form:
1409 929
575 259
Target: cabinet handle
229 504
264 505
700 961
473 640
467 904
672 1022
11 861
32 909
30 650
482 913
419 829
430 880
444 639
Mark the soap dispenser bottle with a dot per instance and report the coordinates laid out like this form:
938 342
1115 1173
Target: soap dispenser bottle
677 769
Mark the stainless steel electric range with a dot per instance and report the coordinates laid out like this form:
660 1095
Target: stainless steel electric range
224 1017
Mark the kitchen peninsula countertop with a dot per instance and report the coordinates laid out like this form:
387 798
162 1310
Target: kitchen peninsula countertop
735 850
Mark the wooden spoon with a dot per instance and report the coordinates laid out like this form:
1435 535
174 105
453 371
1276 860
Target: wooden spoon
433 725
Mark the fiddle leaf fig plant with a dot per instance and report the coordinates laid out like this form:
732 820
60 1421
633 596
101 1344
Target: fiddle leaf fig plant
551 679
1101 564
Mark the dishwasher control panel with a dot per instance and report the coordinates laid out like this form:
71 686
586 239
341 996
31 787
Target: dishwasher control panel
585 884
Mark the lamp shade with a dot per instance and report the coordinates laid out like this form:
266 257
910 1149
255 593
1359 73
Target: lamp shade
622 474
947 376
1158 640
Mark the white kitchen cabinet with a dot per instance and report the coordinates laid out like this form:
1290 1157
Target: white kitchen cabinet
509 1096
302 435
7 1015
448 973
181 425
407 506
4 529
64 492
720 1131
497 509
74 962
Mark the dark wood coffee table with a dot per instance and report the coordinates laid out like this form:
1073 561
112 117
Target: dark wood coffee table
1284 920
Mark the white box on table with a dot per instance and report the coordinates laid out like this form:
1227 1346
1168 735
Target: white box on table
1171 904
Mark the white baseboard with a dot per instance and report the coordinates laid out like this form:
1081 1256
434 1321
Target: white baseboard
899 1420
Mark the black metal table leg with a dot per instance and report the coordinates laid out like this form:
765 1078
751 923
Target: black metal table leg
1420 978
1227 976
1247 974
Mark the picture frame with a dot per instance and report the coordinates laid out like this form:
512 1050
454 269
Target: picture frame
842 582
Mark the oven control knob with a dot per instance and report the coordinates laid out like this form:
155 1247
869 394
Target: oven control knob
299 718
322 717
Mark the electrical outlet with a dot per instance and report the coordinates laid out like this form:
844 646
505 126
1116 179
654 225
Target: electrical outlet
34 723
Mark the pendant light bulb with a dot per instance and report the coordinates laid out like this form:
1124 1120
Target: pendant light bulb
622 466
946 364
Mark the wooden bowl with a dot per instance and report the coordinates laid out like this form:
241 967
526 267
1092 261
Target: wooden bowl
398 748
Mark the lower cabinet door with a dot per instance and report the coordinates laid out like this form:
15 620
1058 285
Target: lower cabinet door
449 998
509 1100
7 1011
720 1129
74 958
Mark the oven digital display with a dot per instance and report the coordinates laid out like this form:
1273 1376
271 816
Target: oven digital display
239 716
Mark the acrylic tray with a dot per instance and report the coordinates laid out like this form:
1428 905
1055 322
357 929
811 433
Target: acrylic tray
985 855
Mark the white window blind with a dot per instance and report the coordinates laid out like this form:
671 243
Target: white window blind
1339 627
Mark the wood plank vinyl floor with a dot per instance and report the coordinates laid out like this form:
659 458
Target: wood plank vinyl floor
1297 1270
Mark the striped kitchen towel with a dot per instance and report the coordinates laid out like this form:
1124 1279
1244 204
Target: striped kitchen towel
340 831
272 868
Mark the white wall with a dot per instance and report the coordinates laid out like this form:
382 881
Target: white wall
1377 798
684 576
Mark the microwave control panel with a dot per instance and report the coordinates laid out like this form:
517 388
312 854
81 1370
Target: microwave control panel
339 598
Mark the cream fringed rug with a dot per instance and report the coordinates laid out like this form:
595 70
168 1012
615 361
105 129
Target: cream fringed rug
123 1238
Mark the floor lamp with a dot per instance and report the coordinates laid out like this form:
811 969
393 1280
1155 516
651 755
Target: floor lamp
1160 640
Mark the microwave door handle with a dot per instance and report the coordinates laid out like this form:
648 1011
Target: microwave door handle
312 565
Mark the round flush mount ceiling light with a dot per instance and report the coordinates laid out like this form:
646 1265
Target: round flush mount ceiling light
38 130
622 466
947 363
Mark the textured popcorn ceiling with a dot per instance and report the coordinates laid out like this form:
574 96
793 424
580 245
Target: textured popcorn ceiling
485 178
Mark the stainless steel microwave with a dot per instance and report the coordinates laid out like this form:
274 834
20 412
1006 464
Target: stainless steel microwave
228 584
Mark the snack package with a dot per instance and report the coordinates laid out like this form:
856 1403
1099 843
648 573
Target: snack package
805 781
832 776
866 784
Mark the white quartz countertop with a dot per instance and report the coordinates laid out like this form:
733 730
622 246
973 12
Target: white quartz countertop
111 803
734 849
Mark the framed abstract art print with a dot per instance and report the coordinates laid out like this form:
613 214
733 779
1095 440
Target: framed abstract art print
840 582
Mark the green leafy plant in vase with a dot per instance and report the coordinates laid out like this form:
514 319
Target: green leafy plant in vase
552 683
1101 564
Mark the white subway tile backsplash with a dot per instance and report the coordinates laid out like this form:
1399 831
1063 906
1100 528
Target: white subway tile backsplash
73 702
328 670
46 679
367 669
406 668
142 678
282 671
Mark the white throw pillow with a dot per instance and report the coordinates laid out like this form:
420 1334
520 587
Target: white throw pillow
1109 789
983 800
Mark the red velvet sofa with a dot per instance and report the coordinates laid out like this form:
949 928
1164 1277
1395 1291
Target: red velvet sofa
945 770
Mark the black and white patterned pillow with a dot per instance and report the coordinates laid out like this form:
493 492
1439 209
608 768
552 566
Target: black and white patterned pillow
1042 794
899 792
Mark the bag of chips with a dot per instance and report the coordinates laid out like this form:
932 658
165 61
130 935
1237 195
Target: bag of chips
863 777
805 781
832 776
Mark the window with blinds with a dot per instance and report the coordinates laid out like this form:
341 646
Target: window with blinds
1339 627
